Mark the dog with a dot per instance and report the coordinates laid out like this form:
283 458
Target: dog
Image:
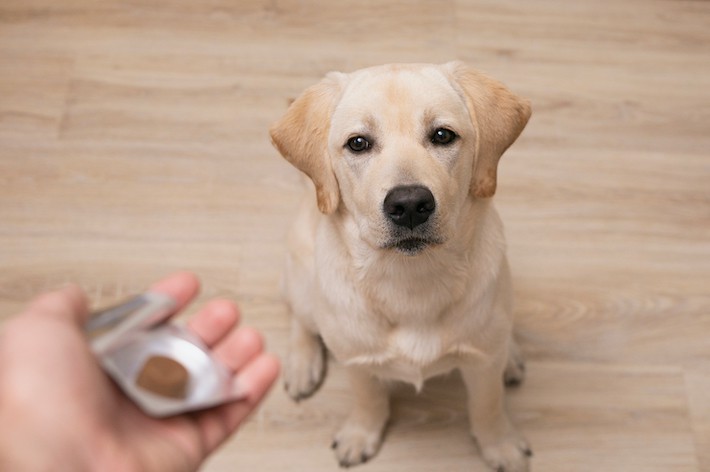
397 261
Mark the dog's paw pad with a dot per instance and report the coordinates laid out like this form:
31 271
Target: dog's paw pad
304 372
354 445
510 455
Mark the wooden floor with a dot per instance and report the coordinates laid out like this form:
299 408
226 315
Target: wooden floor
133 143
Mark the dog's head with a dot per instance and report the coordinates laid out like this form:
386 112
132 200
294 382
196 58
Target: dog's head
402 147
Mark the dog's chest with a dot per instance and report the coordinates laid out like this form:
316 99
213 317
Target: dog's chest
418 346
399 322
408 354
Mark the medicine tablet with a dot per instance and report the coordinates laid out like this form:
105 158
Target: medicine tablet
164 376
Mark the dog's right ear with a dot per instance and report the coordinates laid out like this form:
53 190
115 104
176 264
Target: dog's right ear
301 136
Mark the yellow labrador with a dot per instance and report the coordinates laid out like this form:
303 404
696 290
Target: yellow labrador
397 258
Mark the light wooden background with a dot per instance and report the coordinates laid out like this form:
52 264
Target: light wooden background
133 143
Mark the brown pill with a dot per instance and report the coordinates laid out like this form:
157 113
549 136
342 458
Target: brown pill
164 376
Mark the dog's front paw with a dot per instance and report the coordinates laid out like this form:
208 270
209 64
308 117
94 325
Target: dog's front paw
305 369
355 444
509 454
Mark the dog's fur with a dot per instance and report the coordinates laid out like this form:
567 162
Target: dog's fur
393 302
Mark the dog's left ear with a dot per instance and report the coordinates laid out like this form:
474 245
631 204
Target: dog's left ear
301 136
499 117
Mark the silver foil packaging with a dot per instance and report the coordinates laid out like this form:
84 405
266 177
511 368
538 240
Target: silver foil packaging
163 367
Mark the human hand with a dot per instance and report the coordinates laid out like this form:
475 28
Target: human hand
59 411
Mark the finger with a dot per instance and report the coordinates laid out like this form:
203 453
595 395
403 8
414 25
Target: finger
213 322
68 303
217 424
239 347
182 286
251 384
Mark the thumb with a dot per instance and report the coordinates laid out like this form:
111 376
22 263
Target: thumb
68 303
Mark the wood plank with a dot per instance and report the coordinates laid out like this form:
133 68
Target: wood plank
133 142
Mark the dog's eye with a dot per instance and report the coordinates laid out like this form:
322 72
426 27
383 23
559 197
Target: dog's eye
358 144
443 136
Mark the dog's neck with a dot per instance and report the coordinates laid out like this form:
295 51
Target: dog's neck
419 288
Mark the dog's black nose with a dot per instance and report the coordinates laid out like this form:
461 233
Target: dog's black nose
409 205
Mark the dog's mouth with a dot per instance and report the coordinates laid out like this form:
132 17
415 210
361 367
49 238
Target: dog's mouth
411 246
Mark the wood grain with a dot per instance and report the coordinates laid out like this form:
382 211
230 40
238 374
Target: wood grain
133 143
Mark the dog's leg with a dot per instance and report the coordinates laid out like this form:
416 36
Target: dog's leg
502 447
515 369
361 436
305 368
